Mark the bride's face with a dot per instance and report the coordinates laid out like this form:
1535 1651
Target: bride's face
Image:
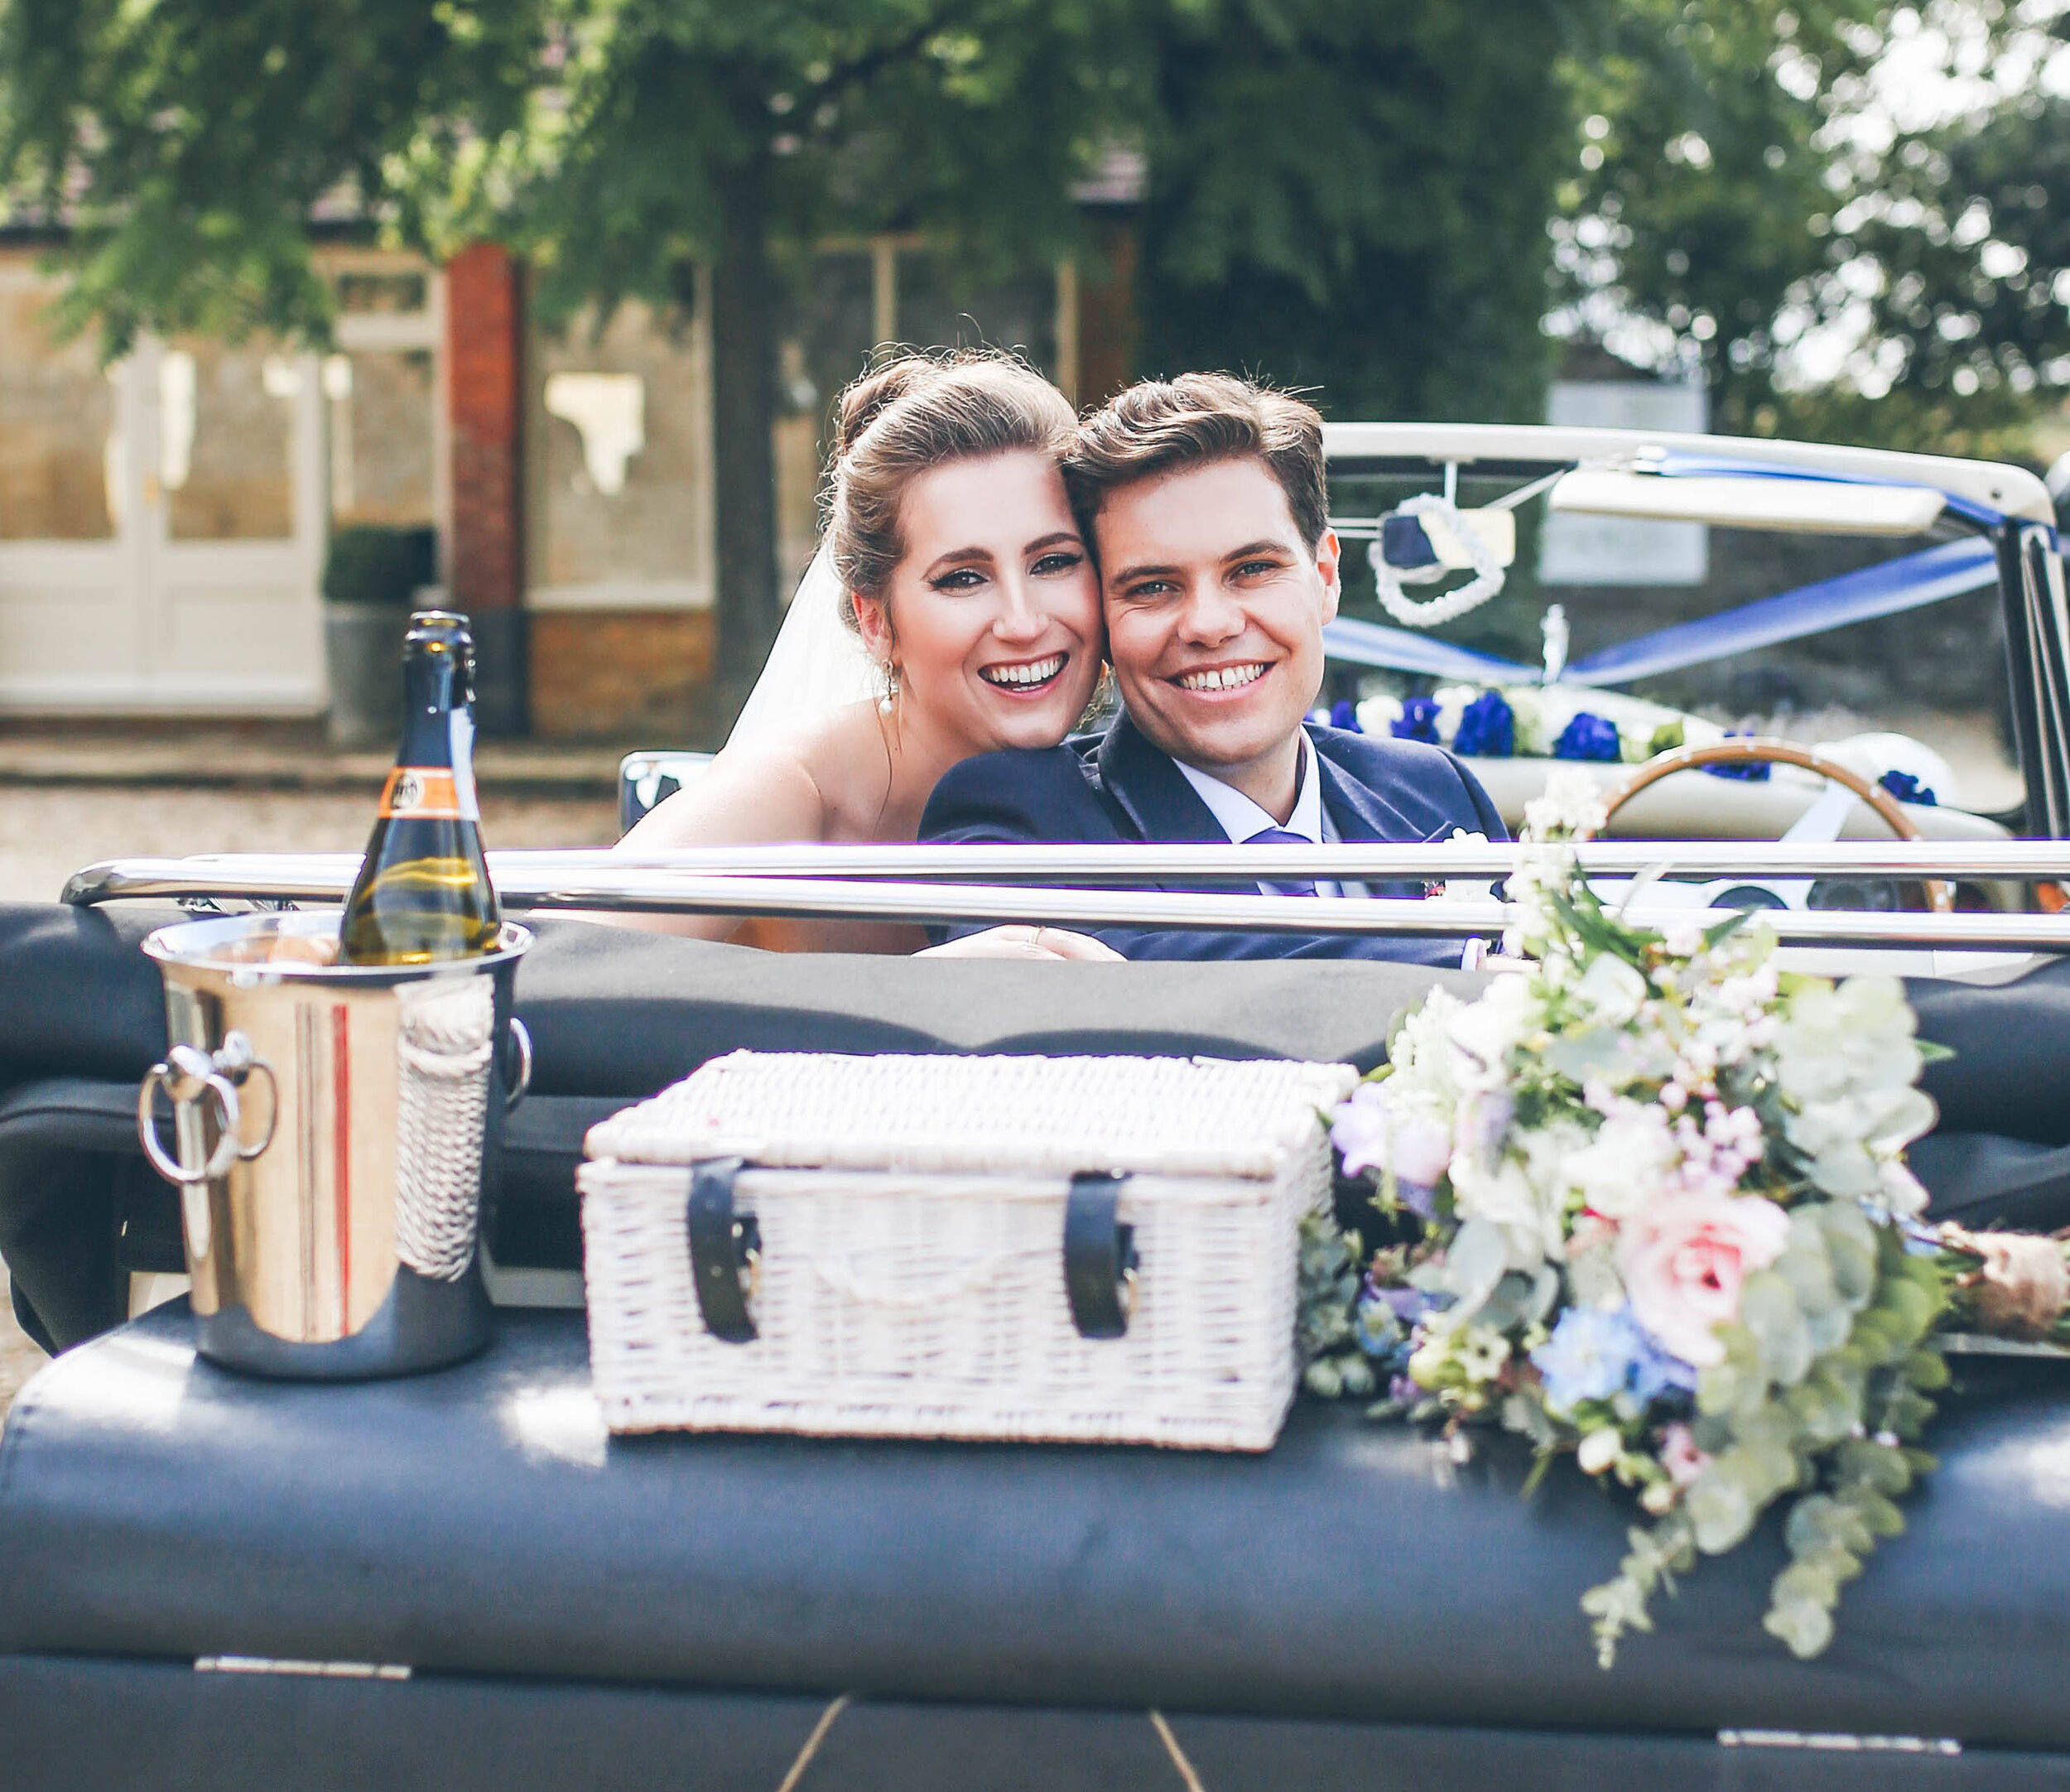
994 612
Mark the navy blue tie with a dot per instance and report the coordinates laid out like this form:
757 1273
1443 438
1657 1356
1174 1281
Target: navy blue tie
1278 836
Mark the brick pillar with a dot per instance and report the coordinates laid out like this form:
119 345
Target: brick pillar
484 569
1108 322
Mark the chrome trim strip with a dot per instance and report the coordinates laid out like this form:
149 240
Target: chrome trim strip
606 886
317 876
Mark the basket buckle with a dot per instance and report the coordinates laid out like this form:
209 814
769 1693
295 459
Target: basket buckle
1099 1256
726 1251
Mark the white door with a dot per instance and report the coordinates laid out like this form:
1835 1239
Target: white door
161 525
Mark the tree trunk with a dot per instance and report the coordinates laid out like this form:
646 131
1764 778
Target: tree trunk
744 340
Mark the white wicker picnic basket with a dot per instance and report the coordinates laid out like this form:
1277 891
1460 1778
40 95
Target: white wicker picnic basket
1046 1249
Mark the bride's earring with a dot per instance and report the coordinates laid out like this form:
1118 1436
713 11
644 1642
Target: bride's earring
889 700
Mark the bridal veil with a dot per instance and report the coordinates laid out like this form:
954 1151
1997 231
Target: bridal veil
817 664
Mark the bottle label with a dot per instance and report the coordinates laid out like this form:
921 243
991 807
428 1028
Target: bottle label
425 793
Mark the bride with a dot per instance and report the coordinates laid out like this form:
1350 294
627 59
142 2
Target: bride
953 609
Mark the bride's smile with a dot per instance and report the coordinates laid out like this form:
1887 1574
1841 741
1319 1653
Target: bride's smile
992 615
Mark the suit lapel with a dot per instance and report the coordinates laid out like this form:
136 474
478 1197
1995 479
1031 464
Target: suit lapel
1359 812
1151 791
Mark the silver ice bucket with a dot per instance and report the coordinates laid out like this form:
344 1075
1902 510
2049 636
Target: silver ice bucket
331 1124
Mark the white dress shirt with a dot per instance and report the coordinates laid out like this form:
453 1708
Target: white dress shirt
1241 817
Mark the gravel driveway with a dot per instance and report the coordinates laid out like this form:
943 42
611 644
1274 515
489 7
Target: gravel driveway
46 834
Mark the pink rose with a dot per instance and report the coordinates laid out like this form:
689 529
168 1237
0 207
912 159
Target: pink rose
1684 1258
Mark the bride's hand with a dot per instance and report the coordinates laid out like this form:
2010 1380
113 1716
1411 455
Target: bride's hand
1021 942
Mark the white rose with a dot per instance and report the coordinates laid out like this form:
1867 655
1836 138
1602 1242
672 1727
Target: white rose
1612 988
1483 1032
1599 1451
1626 1164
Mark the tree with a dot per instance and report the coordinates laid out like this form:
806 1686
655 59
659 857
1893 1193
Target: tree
1354 197
184 147
685 131
186 144
1750 202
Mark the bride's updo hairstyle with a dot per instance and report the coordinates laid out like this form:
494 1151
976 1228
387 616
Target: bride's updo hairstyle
909 416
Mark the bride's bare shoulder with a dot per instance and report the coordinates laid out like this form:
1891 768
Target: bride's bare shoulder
765 792
805 785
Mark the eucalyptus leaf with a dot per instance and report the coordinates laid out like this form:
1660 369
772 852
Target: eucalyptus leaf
1475 1264
1720 1509
1768 1309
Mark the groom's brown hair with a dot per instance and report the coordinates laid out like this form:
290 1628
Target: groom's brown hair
1161 425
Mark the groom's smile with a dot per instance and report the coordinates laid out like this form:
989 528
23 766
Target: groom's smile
1214 612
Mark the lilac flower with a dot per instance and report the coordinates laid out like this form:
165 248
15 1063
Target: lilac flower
1371 1136
1407 1304
1481 1125
1488 730
1587 737
1420 1198
1419 720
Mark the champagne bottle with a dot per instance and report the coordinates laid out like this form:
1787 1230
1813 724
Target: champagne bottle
423 892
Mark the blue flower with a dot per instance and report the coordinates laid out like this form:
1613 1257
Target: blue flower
1343 715
1907 789
1588 1357
1419 720
1594 1354
1756 772
1655 1375
1586 737
1488 731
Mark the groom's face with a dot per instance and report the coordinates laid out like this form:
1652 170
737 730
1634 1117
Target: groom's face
1214 609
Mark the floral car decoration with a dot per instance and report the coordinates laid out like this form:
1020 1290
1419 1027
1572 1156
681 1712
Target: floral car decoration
1666 1226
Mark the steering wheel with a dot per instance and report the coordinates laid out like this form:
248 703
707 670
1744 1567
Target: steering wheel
1767 750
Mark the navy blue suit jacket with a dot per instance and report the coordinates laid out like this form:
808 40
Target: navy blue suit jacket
1101 789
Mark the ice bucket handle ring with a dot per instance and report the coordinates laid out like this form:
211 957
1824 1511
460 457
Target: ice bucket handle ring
188 1074
517 1054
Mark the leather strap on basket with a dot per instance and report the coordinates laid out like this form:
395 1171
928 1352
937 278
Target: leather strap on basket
724 1251
1099 1257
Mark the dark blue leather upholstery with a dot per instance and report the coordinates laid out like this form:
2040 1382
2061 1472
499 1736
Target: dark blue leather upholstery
479 1521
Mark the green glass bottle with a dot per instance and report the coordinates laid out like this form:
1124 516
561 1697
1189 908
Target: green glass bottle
423 892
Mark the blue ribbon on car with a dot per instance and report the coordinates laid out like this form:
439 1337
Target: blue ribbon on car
1910 582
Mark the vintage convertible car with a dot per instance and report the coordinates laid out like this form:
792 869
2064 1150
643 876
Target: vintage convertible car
461 1579
1703 529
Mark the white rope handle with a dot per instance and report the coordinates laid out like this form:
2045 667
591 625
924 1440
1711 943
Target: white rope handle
1486 581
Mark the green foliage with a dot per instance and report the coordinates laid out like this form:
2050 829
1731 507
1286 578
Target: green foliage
1353 197
185 145
1833 1427
970 118
1739 183
1326 1341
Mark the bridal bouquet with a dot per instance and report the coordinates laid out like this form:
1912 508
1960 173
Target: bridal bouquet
1668 1227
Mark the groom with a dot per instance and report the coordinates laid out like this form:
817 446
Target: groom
1206 500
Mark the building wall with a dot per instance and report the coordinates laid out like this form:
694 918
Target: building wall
619 473
164 523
